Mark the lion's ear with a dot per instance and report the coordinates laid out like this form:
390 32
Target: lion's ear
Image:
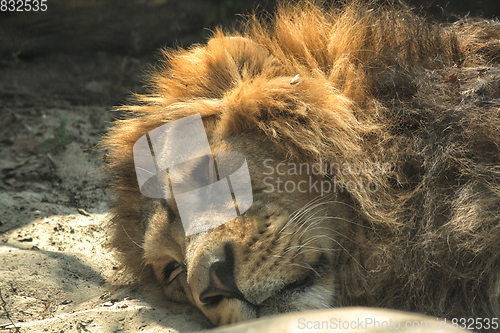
249 57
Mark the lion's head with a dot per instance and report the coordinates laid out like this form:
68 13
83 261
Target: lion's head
310 101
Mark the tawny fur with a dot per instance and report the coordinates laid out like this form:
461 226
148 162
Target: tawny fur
366 92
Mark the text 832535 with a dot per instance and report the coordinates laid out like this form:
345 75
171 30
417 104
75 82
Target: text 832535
23 5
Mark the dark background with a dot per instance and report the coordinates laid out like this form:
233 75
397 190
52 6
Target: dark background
94 52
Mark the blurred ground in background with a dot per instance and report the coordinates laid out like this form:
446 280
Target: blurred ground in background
95 51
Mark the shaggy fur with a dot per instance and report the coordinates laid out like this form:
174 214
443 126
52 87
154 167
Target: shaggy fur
375 85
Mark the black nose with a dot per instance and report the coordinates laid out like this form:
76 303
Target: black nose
222 281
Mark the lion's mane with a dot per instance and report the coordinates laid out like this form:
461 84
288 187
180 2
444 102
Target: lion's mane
371 87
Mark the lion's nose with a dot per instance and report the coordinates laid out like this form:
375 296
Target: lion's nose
222 281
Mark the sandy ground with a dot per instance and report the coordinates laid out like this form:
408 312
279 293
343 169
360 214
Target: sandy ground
55 273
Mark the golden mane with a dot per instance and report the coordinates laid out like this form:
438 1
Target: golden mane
361 95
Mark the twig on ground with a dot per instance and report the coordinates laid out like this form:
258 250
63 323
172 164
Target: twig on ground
3 304
52 160
83 212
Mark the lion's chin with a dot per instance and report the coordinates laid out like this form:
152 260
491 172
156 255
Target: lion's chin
230 311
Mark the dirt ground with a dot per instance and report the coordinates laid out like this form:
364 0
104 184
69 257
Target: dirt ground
55 273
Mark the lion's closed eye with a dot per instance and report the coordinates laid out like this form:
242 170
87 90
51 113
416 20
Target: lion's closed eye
171 271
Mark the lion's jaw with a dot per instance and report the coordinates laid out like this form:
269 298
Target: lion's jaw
277 257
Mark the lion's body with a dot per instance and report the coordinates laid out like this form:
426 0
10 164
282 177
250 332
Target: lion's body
375 87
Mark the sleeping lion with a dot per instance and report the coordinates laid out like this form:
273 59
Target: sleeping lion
362 167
